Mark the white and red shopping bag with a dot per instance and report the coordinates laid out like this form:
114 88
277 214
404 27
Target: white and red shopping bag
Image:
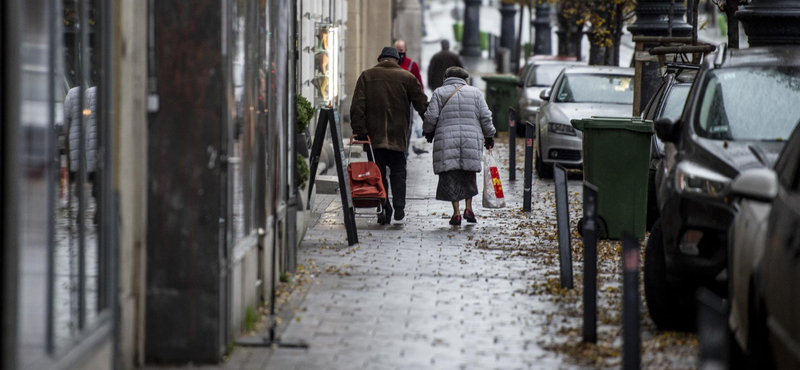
492 187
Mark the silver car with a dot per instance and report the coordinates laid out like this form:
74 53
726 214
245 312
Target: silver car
537 76
578 92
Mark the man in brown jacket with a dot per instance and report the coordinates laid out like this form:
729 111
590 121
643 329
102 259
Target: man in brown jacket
380 109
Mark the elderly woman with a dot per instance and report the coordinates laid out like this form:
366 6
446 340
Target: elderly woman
458 119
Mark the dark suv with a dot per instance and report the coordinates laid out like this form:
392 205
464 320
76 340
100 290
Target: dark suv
742 106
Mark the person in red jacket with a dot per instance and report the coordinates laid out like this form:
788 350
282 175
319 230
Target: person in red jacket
408 64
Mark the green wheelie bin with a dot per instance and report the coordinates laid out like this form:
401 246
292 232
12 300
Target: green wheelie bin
501 94
616 159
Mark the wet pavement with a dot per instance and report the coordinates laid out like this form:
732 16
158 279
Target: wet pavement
419 293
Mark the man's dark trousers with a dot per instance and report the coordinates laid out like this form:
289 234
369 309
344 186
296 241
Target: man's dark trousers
396 161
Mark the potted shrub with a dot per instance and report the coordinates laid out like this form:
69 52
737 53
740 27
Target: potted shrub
305 113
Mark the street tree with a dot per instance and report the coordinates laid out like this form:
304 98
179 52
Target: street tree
605 19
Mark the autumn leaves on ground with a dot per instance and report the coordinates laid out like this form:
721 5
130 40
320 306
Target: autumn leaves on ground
528 237
534 235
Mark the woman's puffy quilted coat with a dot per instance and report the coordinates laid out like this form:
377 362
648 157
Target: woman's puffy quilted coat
72 110
459 127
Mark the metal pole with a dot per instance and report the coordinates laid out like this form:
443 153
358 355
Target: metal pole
589 263
526 193
695 15
512 144
562 221
631 350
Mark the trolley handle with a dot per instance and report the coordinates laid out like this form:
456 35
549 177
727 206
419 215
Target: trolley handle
353 141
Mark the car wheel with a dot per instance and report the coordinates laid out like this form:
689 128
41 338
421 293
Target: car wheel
666 311
543 170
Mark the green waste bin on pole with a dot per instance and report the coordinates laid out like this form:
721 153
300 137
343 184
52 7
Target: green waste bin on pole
616 159
501 94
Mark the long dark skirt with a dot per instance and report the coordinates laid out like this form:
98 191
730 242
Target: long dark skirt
457 185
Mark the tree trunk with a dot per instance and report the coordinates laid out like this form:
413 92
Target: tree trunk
733 24
617 35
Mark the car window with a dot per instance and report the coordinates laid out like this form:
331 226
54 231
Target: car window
595 88
753 103
675 101
650 109
544 75
526 70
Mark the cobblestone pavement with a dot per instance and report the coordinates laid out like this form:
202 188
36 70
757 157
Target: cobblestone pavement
419 293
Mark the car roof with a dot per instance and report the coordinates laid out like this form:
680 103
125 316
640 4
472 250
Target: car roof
552 58
556 62
598 70
784 55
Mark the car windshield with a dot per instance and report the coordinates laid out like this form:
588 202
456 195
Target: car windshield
544 75
596 88
675 102
755 103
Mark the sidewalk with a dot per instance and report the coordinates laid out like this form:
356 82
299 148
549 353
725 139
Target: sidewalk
420 294
424 295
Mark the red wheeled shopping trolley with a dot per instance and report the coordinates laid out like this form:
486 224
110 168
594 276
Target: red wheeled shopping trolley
366 183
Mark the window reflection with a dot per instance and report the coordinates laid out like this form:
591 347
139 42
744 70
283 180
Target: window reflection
77 256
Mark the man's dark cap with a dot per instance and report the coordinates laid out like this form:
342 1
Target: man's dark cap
389 52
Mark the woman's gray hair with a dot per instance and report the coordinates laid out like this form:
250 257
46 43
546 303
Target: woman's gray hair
456 72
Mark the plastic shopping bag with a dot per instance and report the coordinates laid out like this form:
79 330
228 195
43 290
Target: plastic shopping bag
492 187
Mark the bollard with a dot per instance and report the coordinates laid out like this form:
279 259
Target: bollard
712 331
589 263
512 144
631 350
526 193
562 222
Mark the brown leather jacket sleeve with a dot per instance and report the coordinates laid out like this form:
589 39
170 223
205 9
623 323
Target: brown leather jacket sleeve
417 98
358 108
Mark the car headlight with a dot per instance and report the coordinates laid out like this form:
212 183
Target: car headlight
561 129
692 178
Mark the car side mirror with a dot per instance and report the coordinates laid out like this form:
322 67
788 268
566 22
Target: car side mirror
758 184
667 129
545 95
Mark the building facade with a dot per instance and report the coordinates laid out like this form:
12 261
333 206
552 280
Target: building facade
149 171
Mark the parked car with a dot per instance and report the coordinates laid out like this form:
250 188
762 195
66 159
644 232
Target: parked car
767 223
668 101
741 108
764 263
578 92
538 74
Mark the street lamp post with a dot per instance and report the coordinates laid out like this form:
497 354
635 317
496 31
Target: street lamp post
542 45
471 43
652 19
508 12
771 22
